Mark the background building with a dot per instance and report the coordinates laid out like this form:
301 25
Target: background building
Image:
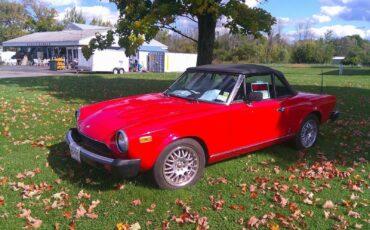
39 48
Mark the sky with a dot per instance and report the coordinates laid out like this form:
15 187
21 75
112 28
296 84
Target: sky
343 17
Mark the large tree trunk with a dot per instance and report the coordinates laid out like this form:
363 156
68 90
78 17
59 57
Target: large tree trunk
206 38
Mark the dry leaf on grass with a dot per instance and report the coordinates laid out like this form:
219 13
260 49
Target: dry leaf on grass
308 201
253 222
80 212
2 200
83 194
151 208
328 204
93 205
354 214
91 215
136 202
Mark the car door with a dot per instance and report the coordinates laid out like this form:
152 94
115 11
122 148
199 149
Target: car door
292 107
257 122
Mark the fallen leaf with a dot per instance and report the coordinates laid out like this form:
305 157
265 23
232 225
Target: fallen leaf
80 212
202 224
136 202
217 205
354 214
328 204
72 225
276 169
93 205
33 222
279 199
121 226
253 222
135 226
308 201
82 194
67 215
119 186
91 215
354 197
151 208
2 200
253 195
275 227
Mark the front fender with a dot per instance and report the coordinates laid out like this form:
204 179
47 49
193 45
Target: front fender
149 152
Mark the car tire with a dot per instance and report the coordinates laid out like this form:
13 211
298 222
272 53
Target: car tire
115 71
181 164
308 132
121 71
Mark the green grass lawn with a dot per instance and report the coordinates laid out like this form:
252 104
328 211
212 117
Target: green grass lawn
279 186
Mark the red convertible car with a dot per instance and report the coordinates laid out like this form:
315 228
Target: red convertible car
210 113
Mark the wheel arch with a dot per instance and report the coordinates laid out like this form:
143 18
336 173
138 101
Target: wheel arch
317 114
198 140
202 143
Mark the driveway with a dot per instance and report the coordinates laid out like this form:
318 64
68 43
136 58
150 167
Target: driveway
30 71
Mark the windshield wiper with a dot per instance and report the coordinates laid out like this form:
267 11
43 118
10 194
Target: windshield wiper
186 98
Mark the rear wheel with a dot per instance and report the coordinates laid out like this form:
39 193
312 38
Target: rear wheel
307 135
115 71
121 71
180 164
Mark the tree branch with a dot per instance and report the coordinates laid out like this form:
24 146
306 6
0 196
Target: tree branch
178 32
188 17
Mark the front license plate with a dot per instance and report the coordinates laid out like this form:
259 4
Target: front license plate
75 152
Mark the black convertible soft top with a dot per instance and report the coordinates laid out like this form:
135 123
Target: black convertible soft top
245 69
235 69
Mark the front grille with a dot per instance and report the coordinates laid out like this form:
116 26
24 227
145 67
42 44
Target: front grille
95 146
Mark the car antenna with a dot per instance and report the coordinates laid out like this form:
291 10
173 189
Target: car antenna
322 82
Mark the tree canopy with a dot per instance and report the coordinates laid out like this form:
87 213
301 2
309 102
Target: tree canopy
141 20
73 16
27 16
100 22
41 18
13 18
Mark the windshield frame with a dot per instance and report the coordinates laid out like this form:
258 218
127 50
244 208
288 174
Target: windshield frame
233 93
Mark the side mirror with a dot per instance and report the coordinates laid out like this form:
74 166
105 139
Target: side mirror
255 96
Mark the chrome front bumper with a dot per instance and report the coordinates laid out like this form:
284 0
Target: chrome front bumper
334 115
120 167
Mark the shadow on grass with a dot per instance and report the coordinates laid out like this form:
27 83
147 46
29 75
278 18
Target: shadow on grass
348 71
90 88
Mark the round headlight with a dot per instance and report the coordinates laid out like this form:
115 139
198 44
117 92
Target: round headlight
77 115
122 141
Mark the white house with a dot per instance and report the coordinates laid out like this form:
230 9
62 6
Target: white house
152 56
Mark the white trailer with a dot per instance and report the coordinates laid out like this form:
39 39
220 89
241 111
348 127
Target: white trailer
179 62
112 60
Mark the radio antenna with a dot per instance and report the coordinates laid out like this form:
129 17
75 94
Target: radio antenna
322 82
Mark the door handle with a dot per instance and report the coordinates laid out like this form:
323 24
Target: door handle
281 109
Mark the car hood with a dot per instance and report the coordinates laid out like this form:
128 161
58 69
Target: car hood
108 117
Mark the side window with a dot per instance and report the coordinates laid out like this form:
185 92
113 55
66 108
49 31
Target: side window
260 83
281 89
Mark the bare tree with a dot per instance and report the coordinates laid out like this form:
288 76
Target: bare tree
303 31
307 34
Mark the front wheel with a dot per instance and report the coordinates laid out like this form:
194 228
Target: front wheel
307 135
180 164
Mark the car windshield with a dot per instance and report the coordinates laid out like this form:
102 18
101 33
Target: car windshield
209 87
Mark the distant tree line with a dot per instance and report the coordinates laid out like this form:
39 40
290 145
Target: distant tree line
22 17
274 48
